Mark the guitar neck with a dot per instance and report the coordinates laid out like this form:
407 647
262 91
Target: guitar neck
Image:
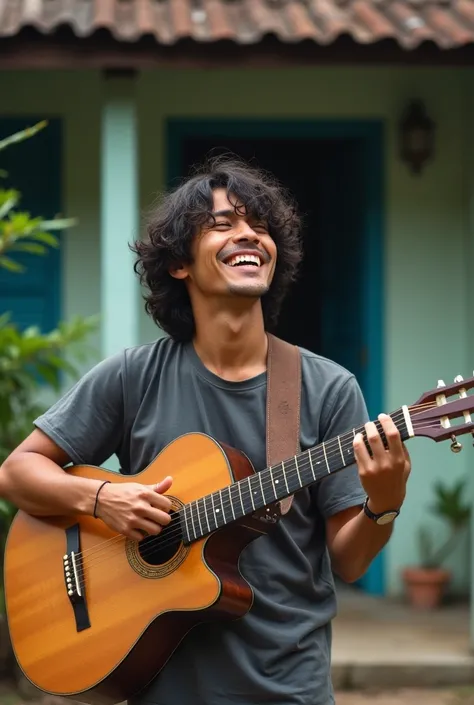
206 514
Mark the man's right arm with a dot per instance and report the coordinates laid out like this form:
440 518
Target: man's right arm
84 427
32 478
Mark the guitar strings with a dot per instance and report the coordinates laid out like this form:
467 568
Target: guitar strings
332 449
97 560
171 536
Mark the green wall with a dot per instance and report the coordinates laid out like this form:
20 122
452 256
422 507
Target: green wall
428 328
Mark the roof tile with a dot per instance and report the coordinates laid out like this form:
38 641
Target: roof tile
447 23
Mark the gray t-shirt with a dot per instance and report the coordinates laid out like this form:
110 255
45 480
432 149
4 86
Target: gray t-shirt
135 403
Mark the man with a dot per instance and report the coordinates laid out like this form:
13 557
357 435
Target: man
221 253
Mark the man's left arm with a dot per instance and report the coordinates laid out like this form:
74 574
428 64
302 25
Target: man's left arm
353 538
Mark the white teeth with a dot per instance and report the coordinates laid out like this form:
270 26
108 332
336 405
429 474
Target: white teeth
250 259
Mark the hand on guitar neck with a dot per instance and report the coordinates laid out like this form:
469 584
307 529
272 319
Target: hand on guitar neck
133 509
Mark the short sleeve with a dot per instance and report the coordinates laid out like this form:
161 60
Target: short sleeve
87 422
343 489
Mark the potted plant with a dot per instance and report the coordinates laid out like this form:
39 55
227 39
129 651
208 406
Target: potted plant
427 583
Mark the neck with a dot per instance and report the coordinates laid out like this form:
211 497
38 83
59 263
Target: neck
256 492
232 343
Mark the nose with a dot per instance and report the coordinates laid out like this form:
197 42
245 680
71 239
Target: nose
246 234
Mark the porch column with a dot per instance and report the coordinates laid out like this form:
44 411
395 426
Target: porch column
119 214
469 259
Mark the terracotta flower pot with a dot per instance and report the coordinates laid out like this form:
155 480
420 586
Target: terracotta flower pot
426 586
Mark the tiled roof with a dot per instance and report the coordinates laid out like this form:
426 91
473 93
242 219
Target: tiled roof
447 23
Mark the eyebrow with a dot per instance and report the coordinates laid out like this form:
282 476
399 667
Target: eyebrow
229 213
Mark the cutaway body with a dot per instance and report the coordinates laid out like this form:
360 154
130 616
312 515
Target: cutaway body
95 616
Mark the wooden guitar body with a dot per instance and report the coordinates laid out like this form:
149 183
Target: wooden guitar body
95 617
137 607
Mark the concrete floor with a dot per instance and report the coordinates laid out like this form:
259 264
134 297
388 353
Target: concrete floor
411 696
385 644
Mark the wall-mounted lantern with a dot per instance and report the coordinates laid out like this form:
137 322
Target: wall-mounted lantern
416 136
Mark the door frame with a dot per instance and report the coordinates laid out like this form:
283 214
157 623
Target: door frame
370 134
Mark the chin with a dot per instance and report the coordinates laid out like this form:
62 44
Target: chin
250 289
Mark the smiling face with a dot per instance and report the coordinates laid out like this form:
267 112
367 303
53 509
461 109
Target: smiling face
233 255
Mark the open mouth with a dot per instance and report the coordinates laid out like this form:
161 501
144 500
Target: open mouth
244 260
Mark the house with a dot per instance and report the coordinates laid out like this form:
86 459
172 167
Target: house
136 91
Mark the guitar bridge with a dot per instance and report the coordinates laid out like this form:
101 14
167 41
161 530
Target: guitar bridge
73 568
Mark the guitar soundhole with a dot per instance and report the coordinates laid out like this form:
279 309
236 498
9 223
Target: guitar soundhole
159 556
157 550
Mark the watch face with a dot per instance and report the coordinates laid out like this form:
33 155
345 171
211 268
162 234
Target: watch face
387 518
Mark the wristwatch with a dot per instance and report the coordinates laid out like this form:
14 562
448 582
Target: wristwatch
383 518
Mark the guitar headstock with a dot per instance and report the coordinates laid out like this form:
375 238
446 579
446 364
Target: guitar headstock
445 412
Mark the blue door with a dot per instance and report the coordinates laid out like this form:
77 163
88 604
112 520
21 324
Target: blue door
335 171
34 169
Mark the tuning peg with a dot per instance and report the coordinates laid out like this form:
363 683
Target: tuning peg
458 378
441 383
456 447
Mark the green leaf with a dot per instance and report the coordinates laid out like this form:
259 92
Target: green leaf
23 134
49 374
47 238
11 265
4 319
31 247
58 223
8 200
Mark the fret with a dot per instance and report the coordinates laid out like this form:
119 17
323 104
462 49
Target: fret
224 513
270 472
340 450
229 492
279 480
190 505
309 454
305 470
199 517
326 458
298 471
205 513
235 500
251 492
241 500
262 490
216 513
186 523
258 499
246 496
293 478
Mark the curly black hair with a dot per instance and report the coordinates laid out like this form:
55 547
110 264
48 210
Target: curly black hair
181 213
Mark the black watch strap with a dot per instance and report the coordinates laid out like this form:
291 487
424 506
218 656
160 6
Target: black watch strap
383 518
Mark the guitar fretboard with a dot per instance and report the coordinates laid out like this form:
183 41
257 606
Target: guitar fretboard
201 517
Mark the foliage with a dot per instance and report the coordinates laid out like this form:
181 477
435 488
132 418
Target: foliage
450 506
28 360
31 362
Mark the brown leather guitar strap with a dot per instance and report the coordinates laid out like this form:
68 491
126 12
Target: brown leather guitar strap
283 404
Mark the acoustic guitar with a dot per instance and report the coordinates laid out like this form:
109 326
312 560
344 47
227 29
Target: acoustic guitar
95 616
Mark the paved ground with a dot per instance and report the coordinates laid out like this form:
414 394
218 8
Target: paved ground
385 644
408 697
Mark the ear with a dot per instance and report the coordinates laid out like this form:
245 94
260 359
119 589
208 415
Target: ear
178 272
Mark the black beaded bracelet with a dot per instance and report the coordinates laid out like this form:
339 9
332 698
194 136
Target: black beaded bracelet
107 482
